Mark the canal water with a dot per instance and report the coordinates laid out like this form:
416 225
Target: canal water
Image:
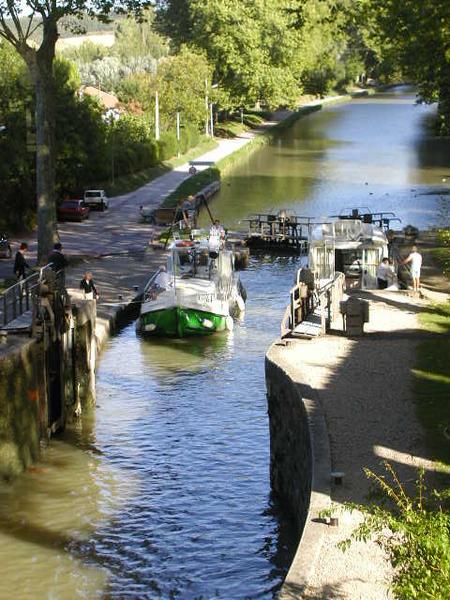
163 490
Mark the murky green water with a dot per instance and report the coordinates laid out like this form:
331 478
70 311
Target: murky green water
163 492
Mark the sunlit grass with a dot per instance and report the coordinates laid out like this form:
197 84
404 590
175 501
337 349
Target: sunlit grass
432 381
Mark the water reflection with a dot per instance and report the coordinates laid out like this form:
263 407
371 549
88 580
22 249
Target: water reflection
377 152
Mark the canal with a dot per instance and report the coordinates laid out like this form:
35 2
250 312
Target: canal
163 490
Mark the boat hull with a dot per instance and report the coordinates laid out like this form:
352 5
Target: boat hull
180 322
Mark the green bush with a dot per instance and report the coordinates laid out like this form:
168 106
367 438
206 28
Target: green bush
168 146
415 533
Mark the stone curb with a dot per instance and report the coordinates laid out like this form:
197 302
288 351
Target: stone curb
308 550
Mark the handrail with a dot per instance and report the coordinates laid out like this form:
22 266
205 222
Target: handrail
300 307
16 300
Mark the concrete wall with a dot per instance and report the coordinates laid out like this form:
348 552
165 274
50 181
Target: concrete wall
300 462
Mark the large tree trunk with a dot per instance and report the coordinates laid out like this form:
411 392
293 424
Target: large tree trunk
40 64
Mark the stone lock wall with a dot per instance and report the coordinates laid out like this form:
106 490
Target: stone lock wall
290 444
28 414
23 407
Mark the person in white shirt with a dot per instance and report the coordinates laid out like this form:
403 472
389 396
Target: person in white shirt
415 258
216 236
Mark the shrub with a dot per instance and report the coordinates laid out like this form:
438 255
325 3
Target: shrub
415 533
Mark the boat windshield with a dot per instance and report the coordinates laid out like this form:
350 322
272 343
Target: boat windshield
198 261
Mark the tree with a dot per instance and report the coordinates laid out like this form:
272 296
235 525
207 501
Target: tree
139 38
417 36
250 43
44 16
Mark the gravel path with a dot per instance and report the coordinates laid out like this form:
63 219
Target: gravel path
364 387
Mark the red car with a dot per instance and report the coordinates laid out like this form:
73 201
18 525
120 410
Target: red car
73 210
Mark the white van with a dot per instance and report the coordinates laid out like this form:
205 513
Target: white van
96 199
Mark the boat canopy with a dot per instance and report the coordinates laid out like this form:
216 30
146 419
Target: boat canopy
349 246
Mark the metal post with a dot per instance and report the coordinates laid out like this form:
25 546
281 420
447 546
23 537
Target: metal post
242 116
178 131
212 119
112 156
5 308
156 116
206 108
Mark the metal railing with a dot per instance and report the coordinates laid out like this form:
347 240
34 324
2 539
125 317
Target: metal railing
18 299
304 302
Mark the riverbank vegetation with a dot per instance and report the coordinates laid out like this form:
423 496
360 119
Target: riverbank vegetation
414 531
221 58
441 254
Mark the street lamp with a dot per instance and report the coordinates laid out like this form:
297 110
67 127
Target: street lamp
208 109
110 117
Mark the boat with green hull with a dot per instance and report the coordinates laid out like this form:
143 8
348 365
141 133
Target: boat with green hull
197 293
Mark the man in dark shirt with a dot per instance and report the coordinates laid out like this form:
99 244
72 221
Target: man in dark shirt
56 258
88 287
20 263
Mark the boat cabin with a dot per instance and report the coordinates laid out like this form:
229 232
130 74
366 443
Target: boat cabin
348 246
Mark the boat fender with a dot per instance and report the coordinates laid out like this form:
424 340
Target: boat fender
241 304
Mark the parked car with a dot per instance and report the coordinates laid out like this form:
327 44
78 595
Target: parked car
96 199
73 210
5 247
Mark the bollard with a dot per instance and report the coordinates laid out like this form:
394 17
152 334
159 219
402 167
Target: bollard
356 313
337 477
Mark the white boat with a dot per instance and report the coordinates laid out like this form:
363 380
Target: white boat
197 293
350 246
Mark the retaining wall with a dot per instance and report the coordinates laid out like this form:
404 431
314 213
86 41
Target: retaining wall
300 462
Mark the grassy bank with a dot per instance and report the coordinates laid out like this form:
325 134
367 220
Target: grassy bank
128 183
432 381
441 254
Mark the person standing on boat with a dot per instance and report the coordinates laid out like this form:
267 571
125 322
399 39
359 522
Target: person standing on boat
216 236
383 272
415 258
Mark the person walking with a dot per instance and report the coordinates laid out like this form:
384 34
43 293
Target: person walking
415 258
20 263
88 286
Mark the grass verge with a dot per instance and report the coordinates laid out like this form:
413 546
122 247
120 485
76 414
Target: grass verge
128 183
441 254
432 381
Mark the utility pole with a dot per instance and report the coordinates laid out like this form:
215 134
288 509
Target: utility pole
156 116
178 131
212 119
206 108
